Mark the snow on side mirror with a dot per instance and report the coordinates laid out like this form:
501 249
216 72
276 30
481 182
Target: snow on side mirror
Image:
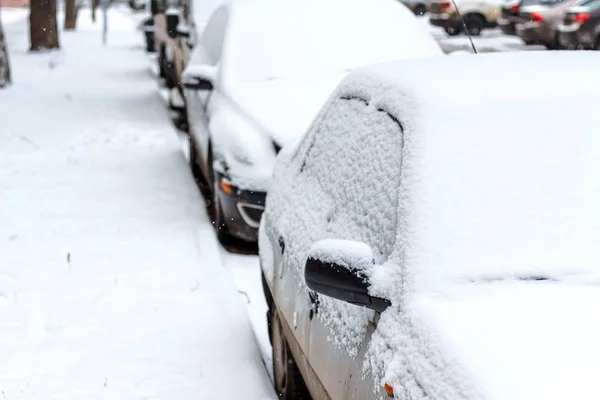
183 31
199 77
340 269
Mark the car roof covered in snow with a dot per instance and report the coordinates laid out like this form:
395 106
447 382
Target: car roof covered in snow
300 37
500 162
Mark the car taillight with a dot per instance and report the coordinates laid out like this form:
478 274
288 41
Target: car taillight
536 17
446 4
515 8
582 17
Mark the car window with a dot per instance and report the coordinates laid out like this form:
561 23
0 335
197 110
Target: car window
356 158
592 4
214 35
551 2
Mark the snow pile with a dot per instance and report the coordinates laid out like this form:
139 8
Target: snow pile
111 281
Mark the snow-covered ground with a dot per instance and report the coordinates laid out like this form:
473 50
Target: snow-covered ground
10 15
112 284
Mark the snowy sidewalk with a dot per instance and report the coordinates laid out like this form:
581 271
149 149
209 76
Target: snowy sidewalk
112 285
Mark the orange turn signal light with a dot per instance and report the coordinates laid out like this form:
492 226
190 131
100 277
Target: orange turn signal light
389 389
226 186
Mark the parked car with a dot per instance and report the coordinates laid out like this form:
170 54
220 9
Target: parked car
258 76
137 5
418 7
166 15
408 253
477 15
510 15
185 27
538 24
581 26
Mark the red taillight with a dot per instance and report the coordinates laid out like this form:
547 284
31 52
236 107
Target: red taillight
536 17
446 4
515 8
582 17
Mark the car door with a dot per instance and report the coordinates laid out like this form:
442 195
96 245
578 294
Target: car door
347 187
207 52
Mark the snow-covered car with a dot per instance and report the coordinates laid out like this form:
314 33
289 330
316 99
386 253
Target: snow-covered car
408 252
259 75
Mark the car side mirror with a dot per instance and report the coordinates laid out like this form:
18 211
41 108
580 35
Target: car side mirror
199 77
183 31
172 17
341 269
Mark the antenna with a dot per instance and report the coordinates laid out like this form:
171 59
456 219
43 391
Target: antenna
465 27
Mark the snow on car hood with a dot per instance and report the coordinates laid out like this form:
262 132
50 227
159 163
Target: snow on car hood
520 340
284 108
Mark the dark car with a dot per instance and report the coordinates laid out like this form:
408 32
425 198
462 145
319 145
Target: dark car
510 15
581 26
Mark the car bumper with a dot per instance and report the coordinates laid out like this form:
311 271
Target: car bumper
444 20
570 37
241 211
507 26
534 32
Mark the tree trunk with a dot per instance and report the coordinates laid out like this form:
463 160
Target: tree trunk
43 29
5 79
95 4
70 15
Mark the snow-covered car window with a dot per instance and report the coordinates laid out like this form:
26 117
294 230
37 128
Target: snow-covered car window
356 159
211 41
310 44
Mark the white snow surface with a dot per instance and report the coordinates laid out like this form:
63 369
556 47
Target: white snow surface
345 252
112 284
10 15
497 186
366 32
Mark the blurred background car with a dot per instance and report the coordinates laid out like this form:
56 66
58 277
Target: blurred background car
538 23
477 15
137 5
419 7
581 26
510 15
184 25
257 78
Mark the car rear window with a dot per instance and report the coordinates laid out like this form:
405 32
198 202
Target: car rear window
593 4
551 2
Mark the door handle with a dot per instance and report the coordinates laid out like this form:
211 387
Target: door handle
281 243
313 297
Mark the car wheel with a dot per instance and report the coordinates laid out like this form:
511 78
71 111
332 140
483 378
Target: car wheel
453 30
162 71
288 381
475 24
270 304
193 152
597 45
420 9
